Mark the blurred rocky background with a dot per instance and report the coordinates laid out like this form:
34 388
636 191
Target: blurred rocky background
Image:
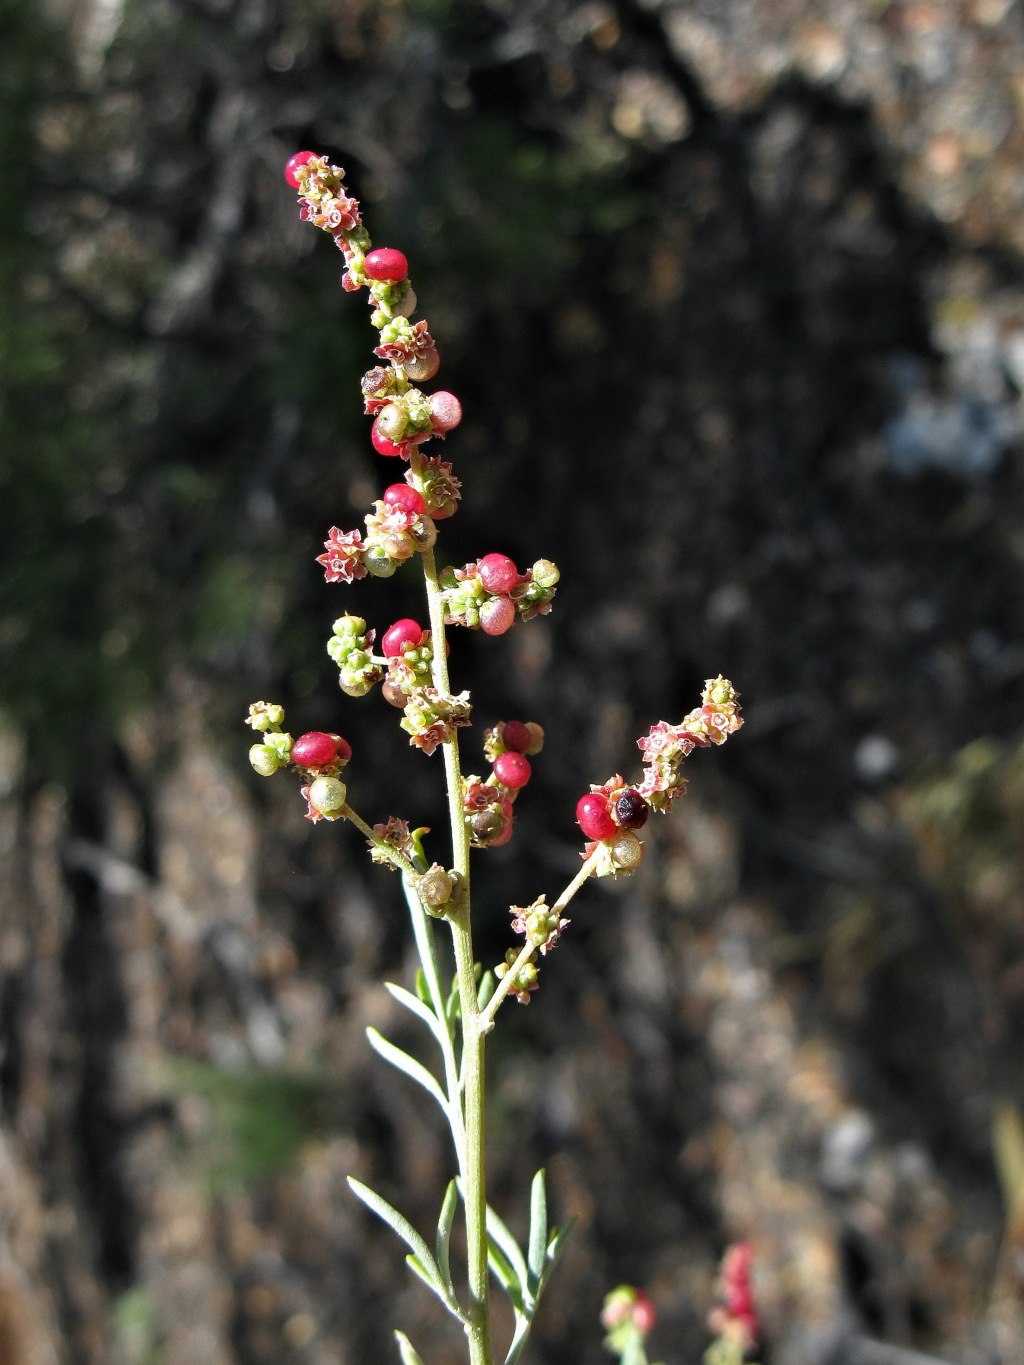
733 296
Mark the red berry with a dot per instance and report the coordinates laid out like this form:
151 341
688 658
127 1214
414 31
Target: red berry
497 573
497 615
382 445
512 770
315 749
403 632
593 818
445 410
404 496
385 263
344 748
515 736
503 837
292 165
631 810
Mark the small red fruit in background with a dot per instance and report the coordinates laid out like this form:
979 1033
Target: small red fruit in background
315 749
402 633
406 497
497 573
593 818
516 736
445 410
385 263
292 165
512 770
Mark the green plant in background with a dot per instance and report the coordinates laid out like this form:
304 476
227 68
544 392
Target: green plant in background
454 999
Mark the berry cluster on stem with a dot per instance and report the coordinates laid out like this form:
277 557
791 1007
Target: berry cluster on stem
491 594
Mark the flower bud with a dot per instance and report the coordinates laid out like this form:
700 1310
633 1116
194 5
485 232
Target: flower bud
349 625
264 759
328 796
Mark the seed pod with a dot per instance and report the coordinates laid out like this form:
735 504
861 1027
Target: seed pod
434 888
486 824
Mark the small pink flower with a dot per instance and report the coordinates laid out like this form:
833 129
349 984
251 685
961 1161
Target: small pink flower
343 561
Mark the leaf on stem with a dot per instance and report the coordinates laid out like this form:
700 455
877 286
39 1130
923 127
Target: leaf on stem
485 989
500 1235
422 989
505 1276
421 1262
538 1243
444 1234
409 1065
416 1006
452 1009
410 1356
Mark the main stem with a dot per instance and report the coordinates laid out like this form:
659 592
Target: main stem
474 1190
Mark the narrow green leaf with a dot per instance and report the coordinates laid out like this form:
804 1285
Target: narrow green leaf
505 1275
410 1356
422 989
557 1240
416 1006
403 1062
538 1244
485 989
497 1230
398 1223
452 1010
422 1273
522 1331
444 1234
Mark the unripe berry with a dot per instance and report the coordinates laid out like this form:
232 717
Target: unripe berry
497 573
403 632
315 749
404 496
627 850
422 366
379 563
435 887
512 770
292 165
382 445
445 410
593 818
424 534
344 749
631 810
486 824
391 422
327 795
407 307
393 693
398 545
497 615
536 737
503 837
386 263
515 736
265 761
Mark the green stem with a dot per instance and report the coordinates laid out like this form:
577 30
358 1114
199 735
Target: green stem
392 854
528 950
478 1329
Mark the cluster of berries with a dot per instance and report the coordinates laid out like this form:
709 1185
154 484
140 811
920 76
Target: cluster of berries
403 415
628 1317
488 802
609 814
319 757
489 593
734 1322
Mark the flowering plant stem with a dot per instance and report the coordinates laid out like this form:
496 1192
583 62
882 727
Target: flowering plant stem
412 668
